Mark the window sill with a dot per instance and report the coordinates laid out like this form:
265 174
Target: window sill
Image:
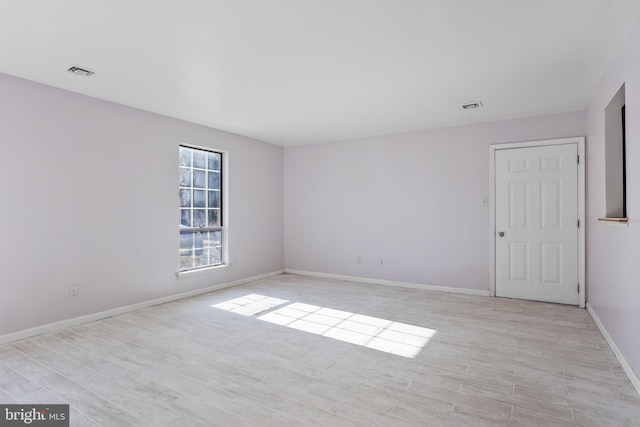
615 220
200 271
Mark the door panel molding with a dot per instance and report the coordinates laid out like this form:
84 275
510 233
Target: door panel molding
579 142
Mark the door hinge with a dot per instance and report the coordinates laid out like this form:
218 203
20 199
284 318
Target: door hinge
578 158
578 223
578 287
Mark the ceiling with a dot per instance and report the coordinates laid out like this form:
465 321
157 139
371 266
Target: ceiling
306 71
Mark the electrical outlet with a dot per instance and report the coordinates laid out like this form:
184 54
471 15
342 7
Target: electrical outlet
74 290
358 259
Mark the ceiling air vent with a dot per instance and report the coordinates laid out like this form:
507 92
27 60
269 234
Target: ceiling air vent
80 71
470 105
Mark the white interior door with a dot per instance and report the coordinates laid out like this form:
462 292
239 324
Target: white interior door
536 223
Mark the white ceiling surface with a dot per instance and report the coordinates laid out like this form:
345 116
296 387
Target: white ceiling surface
304 71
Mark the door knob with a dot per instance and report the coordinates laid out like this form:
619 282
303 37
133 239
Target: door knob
501 234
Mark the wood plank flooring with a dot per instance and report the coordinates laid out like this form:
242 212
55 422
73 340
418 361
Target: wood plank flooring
294 350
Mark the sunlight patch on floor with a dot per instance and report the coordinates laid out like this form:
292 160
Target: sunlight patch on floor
397 338
250 304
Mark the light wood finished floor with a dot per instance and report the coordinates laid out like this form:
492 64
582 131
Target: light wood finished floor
295 350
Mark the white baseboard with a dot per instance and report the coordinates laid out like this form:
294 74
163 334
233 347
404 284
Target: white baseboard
391 283
623 362
39 330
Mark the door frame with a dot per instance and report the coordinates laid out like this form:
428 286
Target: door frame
579 142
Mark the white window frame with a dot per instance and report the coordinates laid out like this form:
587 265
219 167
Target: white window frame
224 213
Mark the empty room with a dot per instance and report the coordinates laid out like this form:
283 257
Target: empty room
332 213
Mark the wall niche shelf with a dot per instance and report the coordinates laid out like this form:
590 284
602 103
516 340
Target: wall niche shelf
618 220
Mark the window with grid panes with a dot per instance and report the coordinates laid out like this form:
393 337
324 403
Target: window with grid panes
201 220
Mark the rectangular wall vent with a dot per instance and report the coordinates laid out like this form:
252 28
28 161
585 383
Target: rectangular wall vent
470 105
80 71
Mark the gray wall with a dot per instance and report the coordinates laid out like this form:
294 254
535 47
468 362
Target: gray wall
413 199
89 195
613 250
